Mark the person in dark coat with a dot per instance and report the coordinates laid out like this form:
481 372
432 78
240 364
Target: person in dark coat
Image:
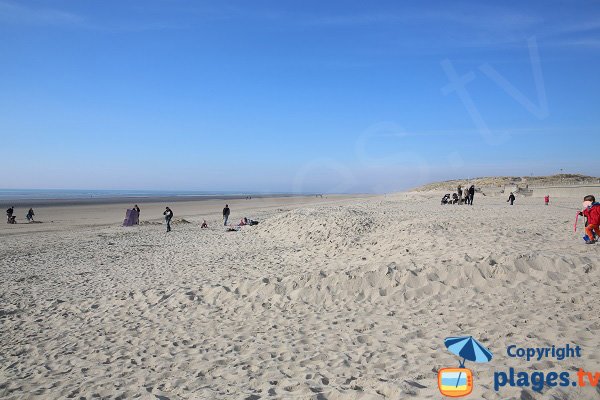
226 212
511 198
9 215
168 216
137 211
471 194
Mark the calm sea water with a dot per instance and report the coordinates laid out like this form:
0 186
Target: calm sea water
59 194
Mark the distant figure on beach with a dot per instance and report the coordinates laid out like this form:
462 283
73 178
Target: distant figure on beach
471 194
226 212
247 221
137 209
168 216
460 194
511 198
10 218
30 215
591 210
547 199
204 225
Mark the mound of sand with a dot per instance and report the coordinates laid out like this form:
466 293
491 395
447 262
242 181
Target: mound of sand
326 226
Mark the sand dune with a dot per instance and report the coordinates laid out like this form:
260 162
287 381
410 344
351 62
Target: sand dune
499 181
349 300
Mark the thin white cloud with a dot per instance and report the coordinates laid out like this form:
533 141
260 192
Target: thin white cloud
579 26
583 33
501 130
18 14
590 43
473 16
352 20
14 13
475 25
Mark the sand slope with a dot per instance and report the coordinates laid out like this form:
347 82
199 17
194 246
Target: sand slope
340 301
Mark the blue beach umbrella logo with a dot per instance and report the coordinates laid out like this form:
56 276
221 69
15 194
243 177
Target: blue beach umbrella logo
468 348
458 382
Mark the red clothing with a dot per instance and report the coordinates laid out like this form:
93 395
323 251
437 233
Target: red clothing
591 229
593 214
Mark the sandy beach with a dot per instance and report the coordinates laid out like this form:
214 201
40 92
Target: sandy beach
336 298
403 178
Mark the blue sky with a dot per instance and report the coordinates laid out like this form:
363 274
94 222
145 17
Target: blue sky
305 96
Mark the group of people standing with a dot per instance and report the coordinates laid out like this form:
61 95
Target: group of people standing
466 196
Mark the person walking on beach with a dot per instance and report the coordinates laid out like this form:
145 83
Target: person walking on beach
511 198
226 212
30 215
168 216
547 199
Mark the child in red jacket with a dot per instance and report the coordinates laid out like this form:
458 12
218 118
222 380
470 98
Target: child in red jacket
591 210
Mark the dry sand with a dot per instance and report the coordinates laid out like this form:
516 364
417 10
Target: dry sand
334 299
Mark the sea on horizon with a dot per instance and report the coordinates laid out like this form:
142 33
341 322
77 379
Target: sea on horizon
7 195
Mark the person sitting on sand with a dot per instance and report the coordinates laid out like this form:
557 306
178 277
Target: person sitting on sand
511 198
591 210
30 215
454 198
168 216
204 225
